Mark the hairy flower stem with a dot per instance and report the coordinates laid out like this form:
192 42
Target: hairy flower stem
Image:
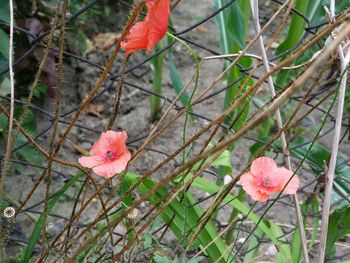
118 95
47 172
9 137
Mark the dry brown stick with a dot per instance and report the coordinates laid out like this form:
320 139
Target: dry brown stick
97 87
285 128
214 83
47 171
154 134
11 139
233 63
37 146
198 172
119 90
156 131
103 76
250 125
168 201
279 121
286 61
65 242
202 222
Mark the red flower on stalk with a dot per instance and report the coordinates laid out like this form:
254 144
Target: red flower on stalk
146 34
109 154
265 179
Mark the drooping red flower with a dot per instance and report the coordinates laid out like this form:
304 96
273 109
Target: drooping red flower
146 34
265 179
109 155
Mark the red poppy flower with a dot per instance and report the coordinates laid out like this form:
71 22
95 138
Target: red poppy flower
109 154
146 34
265 179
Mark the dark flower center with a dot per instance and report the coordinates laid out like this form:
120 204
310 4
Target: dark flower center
109 155
267 181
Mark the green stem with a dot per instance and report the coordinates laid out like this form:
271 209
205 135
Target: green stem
194 56
157 66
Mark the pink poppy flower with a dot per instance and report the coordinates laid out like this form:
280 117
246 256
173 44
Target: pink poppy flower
108 155
265 179
146 34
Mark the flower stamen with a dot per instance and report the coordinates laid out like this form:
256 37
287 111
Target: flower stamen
267 181
109 155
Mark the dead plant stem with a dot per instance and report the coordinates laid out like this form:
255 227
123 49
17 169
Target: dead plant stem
255 15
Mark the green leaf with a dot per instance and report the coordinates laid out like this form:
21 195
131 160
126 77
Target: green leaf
222 161
182 217
5 11
3 123
232 24
147 241
33 239
3 63
315 12
40 90
296 28
5 88
29 122
4 44
295 32
161 259
338 227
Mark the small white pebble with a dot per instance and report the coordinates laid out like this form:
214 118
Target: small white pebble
241 240
271 251
227 179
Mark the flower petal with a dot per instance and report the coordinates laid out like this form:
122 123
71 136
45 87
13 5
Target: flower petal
250 185
119 143
90 161
146 34
101 146
285 175
110 141
110 169
137 38
263 165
